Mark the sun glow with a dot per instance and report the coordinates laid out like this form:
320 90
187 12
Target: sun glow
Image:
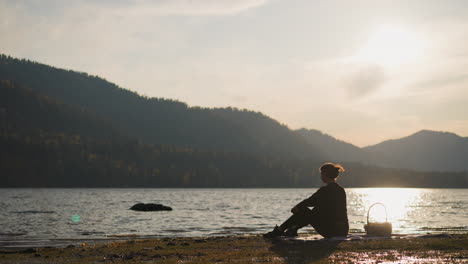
397 202
391 46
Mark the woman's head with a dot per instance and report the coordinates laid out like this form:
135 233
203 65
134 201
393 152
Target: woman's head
329 171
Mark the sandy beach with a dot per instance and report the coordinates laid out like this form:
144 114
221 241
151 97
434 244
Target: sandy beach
253 249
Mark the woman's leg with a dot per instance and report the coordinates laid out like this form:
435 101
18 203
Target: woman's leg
298 220
305 217
292 224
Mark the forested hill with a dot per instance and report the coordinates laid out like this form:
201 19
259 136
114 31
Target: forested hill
46 143
332 148
425 150
26 113
161 121
61 128
169 122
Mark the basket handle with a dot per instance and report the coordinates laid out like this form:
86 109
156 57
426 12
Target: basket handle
368 211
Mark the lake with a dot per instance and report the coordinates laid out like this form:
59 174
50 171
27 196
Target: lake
34 217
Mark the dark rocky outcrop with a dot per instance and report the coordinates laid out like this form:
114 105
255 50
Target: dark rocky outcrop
150 207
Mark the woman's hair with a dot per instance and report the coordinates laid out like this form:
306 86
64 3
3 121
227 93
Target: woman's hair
331 170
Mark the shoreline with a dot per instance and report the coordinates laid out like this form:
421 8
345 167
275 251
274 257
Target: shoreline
27 243
20 244
436 248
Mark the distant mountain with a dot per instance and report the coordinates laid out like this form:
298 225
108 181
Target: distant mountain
333 149
161 121
222 130
66 129
25 112
425 150
46 143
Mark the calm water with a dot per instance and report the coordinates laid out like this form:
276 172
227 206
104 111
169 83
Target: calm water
48 216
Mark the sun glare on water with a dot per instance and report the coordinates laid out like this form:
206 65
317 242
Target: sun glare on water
391 46
397 202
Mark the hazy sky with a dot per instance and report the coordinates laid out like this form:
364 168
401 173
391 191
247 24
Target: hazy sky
362 70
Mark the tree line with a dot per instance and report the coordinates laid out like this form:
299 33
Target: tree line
47 143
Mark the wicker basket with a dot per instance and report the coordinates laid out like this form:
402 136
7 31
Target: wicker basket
378 229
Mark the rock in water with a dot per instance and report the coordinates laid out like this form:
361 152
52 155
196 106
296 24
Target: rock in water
149 207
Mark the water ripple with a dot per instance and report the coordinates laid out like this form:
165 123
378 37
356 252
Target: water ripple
101 213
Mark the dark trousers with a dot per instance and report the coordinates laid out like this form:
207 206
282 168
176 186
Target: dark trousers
321 224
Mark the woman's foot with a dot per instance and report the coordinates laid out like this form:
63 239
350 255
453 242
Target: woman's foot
275 233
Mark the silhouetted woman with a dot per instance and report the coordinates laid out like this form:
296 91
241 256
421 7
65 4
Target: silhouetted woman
329 215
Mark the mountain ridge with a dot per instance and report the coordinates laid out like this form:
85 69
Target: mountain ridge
334 149
423 150
46 143
165 121
156 120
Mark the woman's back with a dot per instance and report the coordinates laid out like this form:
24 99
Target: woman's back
332 203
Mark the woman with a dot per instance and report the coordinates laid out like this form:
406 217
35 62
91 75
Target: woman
329 215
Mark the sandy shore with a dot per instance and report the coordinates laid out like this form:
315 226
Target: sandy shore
253 249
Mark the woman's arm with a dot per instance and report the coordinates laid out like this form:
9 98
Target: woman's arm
309 202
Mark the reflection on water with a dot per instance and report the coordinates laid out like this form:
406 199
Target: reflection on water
101 213
413 210
398 202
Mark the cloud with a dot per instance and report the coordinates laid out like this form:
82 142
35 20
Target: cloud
189 7
146 7
365 80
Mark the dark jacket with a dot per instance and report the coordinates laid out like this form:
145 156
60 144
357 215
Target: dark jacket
329 204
